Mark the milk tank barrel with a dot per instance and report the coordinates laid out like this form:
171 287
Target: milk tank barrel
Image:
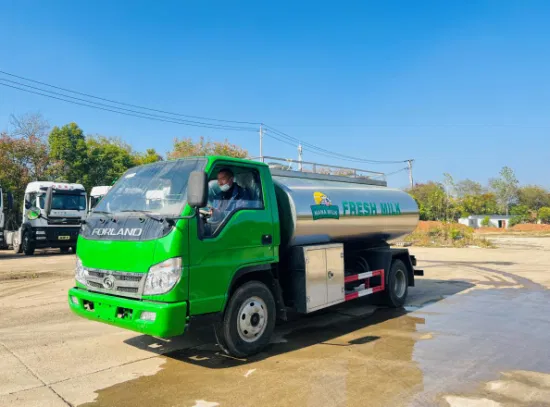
316 208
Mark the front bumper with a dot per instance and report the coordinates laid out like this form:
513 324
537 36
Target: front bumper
56 236
126 313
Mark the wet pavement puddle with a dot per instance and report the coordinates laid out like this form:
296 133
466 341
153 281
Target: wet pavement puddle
485 347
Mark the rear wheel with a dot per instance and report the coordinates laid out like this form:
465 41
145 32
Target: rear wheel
397 284
27 245
249 319
64 249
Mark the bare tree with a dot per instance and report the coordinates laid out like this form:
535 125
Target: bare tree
29 133
29 125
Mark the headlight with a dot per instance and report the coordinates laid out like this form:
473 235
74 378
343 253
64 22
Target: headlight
80 273
162 277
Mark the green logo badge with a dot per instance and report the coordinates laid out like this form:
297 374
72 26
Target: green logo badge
323 208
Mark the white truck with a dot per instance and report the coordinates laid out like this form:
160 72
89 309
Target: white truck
52 215
96 194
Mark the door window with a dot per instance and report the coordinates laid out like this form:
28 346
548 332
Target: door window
230 189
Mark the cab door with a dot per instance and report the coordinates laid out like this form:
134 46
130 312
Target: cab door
244 238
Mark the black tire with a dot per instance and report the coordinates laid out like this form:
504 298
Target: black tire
27 245
250 295
397 285
64 250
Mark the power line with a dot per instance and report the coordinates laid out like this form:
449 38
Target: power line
131 113
333 154
190 122
271 132
126 104
397 172
322 151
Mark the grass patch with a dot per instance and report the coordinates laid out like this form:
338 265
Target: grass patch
440 234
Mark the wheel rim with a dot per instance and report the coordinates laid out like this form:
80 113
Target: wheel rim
399 283
252 319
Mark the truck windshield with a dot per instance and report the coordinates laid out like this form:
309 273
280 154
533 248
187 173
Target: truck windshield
94 200
160 187
65 200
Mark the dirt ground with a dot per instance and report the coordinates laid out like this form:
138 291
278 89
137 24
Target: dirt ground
475 332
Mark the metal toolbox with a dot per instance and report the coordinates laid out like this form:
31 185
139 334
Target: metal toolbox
317 276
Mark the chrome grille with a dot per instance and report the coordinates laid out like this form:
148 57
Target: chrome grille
116 282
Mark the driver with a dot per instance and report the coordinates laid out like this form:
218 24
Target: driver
230 197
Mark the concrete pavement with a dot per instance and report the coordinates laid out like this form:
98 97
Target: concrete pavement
474 332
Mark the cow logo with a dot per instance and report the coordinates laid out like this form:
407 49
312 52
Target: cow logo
323 208
109 282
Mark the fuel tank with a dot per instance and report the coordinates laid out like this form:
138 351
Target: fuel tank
316 208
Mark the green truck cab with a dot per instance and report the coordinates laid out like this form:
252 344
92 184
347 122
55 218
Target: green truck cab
150 260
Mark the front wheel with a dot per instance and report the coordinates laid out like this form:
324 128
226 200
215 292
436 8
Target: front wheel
397 284
27 245
249 319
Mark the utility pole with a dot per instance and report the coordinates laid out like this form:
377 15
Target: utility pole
300 157
261 144
410 162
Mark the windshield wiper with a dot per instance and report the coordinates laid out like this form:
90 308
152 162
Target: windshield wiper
101 212
146 213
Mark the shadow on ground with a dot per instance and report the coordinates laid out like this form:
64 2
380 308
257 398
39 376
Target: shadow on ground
199 346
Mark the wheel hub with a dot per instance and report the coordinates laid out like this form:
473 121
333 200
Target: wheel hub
252 319
400 283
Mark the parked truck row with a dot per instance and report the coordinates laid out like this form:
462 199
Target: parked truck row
238 244
50 217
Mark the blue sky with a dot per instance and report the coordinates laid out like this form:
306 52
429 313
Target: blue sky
460 86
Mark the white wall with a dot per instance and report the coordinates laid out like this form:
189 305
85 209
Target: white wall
476 223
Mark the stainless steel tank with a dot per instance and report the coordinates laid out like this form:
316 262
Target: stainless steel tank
315 208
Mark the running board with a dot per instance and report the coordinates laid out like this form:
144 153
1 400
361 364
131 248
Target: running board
368 290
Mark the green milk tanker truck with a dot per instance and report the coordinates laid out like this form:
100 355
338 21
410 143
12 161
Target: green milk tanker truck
150 259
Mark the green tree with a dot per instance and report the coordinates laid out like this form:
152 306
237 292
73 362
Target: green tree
452 204
544 214
484 204
520 214
69 153
150 156
431 200
505 188
22 160
533 197
108 159
486 221
186 147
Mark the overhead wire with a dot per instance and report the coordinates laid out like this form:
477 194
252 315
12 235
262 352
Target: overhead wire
396 172
126 112
322 151
124 103
232 125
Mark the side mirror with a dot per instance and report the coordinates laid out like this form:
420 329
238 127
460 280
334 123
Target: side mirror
197 189
10 201
33 213
27 204
48 201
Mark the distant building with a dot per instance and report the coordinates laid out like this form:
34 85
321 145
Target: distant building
495 221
